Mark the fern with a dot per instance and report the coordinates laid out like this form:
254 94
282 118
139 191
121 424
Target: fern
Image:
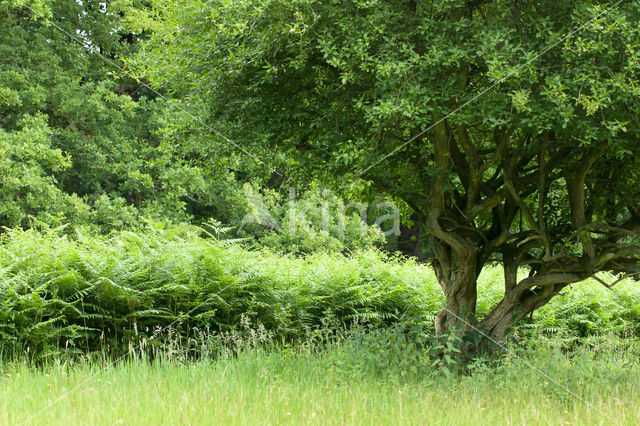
104 294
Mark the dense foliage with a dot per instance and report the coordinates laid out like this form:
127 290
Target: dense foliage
108 294
83 143
510 129
228 206
80 139
536 169
95 293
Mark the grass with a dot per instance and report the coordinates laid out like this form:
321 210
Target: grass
259 337
284 387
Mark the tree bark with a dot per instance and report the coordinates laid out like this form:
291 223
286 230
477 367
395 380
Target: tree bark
456 256
511 310
524 298
457 276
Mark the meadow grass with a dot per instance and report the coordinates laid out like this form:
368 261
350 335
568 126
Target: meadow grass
284 387
256 337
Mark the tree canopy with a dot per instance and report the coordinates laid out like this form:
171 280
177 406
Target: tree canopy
80 140
510 128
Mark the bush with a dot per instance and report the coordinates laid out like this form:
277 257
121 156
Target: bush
81 293
96 293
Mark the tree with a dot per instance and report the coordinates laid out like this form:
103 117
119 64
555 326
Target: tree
537 167
81 140
26 157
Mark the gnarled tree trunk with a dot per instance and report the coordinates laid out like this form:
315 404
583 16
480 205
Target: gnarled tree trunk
457 276
514 307
522 298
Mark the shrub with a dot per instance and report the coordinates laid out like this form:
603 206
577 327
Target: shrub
97 293
79 293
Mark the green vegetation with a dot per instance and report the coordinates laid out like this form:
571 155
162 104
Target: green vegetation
178 325
509 130
105 293
541 172
327 388
254 211
108 294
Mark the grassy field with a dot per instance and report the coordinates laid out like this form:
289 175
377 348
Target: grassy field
282 387
256 337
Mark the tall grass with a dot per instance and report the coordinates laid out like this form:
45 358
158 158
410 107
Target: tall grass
89 294
309 388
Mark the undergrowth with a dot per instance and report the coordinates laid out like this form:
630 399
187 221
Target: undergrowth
76 294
